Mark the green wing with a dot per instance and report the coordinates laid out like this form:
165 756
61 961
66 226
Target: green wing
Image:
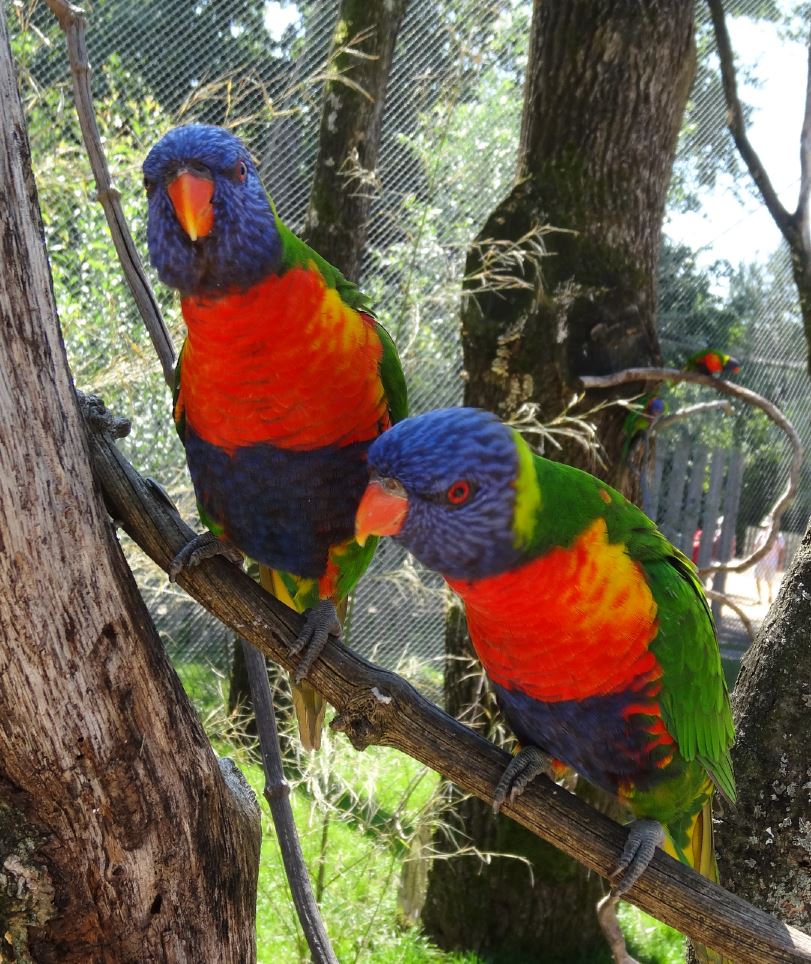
391 374
694 699
179 417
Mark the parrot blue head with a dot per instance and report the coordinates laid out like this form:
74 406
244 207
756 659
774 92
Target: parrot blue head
655 407
444 485
210 225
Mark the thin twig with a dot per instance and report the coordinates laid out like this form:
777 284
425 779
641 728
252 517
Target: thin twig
378 707
737 124
805 148
745 395
666 421
72 21
277 794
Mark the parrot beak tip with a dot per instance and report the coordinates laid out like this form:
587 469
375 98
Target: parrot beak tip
381 512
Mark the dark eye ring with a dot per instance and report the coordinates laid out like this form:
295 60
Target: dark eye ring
242 171
148 185
458 493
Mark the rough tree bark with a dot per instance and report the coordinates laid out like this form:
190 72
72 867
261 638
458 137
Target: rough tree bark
764 846
108 850
605 93
349 140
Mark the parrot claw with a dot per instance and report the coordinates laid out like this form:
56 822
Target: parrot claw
199 548
319 622
522 769
644 836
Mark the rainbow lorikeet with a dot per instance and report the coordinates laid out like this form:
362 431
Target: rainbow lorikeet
284 380
641 415
592 628
709 361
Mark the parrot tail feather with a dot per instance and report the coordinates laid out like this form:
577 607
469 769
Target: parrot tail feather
308 705
310 709
700 855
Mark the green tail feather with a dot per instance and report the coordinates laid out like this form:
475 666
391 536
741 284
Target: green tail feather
700 855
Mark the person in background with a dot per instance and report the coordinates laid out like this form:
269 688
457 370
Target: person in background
767 568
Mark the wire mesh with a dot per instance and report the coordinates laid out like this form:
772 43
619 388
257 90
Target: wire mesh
448 150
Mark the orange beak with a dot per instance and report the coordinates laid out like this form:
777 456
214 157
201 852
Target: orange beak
190 194
381 512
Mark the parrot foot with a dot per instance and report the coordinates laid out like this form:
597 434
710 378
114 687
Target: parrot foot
199 548
319 622
522 769
644 836
607 916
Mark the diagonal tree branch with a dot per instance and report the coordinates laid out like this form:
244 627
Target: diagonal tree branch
378 707
737 124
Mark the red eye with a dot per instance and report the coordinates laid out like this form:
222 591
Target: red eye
242 171
459 492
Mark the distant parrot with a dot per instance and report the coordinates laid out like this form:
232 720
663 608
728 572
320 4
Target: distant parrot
709 361
284 380
641 415
592 628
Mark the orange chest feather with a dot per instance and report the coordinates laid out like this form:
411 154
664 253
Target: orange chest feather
286 363
575 623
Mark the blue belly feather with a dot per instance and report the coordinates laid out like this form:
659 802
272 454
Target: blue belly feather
282 508
589 735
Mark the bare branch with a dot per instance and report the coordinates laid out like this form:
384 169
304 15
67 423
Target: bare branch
72 21
277 794
726 601
378 707
745 395
737 126
666 421
805 151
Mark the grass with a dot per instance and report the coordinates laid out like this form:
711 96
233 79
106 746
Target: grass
359 817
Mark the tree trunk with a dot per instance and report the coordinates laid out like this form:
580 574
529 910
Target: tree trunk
605 93
345 180
109 850
764 845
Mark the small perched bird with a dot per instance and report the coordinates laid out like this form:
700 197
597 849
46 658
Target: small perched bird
709 361
592 628
641 414
284 380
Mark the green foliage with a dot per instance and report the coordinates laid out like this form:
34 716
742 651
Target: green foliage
361 827
108 348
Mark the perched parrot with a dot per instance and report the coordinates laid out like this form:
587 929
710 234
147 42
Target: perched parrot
712 362
592 628
641 415
284 380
